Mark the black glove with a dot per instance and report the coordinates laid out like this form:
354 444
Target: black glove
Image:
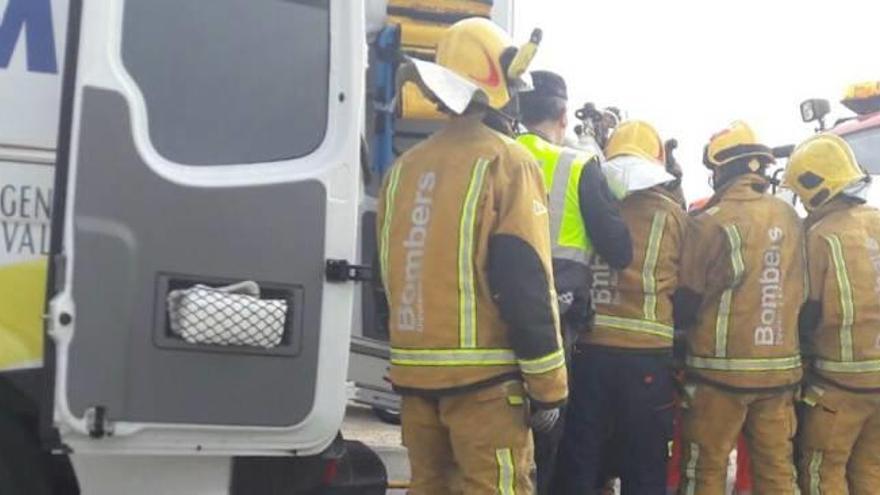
543 420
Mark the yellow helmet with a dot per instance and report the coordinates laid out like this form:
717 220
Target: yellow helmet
821 168
637 138
733 144
483 53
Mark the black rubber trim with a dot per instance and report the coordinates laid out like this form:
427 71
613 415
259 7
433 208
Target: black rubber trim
48 434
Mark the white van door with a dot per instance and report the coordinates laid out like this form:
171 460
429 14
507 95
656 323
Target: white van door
205 144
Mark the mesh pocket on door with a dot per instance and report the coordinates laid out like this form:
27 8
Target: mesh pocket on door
227 316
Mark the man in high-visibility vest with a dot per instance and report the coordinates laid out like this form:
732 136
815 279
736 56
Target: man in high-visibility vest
622 387
584 217
465 254
840 322
742 281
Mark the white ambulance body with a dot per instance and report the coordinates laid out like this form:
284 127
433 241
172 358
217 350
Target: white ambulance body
196 143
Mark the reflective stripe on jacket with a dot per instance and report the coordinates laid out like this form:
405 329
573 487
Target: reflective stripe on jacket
445 205
744 254
843 255
634 305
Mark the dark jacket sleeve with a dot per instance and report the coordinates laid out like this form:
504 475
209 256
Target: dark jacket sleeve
601 212
521 277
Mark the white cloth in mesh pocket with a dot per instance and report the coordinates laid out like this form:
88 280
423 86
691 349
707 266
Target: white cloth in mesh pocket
229 316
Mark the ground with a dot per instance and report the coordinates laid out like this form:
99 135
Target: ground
361 424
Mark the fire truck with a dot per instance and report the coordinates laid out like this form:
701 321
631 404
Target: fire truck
861 130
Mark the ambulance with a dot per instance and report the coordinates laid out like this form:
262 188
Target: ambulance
185 238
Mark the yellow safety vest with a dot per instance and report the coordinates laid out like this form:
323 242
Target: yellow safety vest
562 169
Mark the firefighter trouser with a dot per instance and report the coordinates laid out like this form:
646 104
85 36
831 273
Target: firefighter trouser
619 420
713 419
546 450
473 443
840 442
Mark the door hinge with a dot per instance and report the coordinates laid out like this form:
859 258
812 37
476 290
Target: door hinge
343 271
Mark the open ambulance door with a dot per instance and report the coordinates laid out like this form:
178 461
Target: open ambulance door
205 144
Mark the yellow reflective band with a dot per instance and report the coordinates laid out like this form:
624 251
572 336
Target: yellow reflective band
690 471
390 194
453 357
815 476
641 326
467 304
515 400
722 322
544 364
846 298
506 473
756 364
872 366
649 279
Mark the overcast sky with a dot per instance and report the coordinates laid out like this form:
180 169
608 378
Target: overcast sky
691 67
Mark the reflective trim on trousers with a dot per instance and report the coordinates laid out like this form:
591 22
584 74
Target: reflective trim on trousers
467 303
844 286
506 472
690 472
632 325
872 366
815 476
390 194
652 252
722 323
744 364
452 357
543 364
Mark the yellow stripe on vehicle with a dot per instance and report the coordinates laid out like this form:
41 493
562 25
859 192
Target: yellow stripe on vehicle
757 364
506 473
847 311
544 364
632 325
722 322
452 357
652 253
390 194
467 304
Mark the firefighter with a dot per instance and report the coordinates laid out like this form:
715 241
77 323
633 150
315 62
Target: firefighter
584 217
622 393
465 254
840 322
741 283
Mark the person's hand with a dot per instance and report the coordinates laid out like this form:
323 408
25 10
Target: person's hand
543 420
